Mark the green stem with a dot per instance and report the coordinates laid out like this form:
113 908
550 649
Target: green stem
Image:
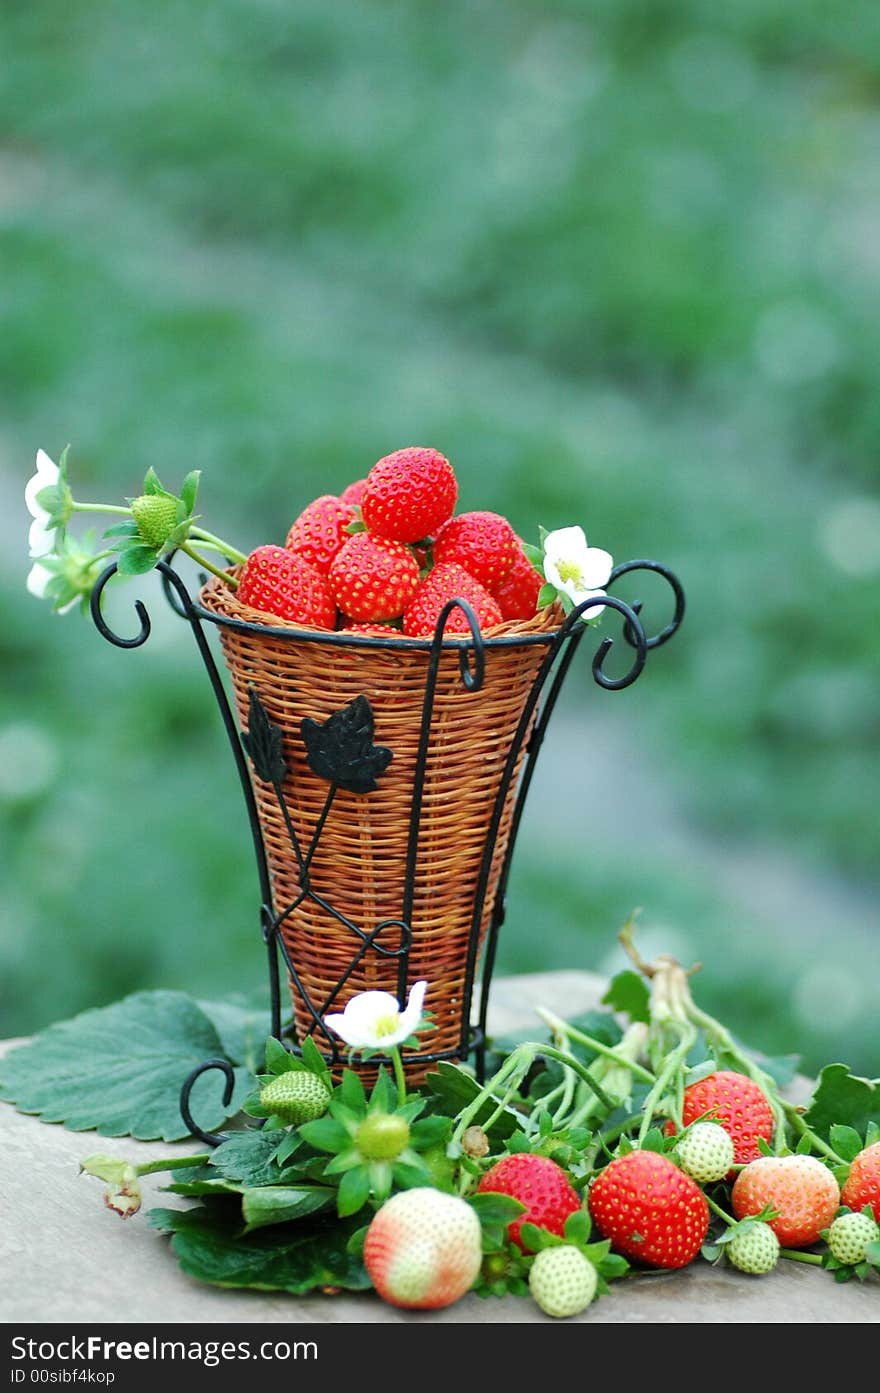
519 1058
232 552
398 1074
803 1130
169 1163
716 1033
581 1070
674 1062
562 1027
100 508
209 565
722 1213
814 1259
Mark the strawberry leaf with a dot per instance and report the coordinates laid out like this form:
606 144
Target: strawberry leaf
188 490
844 1099
279 1204
136 560
628 992
846 1141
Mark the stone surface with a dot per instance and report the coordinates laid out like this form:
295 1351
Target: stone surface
64 1257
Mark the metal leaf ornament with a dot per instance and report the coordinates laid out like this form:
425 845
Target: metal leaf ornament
342 750
264 742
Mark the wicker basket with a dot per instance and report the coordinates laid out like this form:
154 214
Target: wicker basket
360 860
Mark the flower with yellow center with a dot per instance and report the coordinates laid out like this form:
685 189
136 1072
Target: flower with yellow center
576 570
374 1020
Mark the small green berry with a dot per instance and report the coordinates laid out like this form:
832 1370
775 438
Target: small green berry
296 1096
562 1280
849 1236
156 517
706 1152
754 1249
382 1136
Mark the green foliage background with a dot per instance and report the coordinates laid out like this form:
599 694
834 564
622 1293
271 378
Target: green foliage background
619 260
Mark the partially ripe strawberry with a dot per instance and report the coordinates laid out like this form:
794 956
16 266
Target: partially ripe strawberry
277 582
539 1184
409 494
754 1249
320 531
850 1237
485 544
442 584
738 1104
423 1249
562 1280
863 1182
650 1210
373 578
801 1189
354 493
517 595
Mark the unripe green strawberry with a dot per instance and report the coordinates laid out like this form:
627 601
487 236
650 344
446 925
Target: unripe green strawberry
706 1152
562 1280
156 517
755 1249
849 1236
382 1136
296 1096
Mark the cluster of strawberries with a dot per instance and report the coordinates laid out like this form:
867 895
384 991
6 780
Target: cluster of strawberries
387 555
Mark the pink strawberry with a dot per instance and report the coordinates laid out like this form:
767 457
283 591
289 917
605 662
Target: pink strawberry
485 544
373 578
539 1184
650 1210
517 595
863 1182
442 584
354 493
803 1192
320 531
423 1249
409 494
276 581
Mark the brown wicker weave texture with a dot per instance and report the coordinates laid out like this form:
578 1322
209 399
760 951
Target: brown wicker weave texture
360 862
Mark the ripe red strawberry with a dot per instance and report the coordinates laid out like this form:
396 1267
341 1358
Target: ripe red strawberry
373 577
276 581
442 584
539 1184
409 494
803 1192
377 630
517 595
320 531
354 493
863 1183
738 1104
423 1249
485 544
650 1210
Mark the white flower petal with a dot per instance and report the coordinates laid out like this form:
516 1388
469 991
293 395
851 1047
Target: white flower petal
564 543
41 539
594 611
337 1024
38 579
410 1017
597 568
46 475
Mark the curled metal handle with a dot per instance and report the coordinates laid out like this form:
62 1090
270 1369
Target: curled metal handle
471 676
633 623
209 1138
100 622
672 580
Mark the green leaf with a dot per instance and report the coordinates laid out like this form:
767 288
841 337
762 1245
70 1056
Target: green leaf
119 1069
354 1191
351 1091
248 1157
536 1239
654 1141
410 1174
872 1134
844 1099
628 992
123 529
189 489
453 1088
209 1246
845 1141
491 1208
280 1204
535 555
313 1060
547 594
243 1023
872 1253
325 1134
543 534
578 1227
136 560
153 486
279 1060
804 1146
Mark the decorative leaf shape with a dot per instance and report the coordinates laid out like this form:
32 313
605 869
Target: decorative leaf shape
264 742
342 750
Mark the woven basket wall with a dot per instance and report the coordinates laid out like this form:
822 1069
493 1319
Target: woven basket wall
360 861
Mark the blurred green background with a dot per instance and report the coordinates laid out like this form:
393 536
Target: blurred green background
620 260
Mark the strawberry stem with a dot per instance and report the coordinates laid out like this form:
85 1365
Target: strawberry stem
814 1259
722 1213
100 508
399 1075
232 552
562 1029
803 1130
674 1063
173 1163
200 560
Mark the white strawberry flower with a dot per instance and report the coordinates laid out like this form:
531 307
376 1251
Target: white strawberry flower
577 570
374 1020
41 538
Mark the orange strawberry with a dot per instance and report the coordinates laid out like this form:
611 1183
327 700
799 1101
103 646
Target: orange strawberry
863 1183
803 1192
